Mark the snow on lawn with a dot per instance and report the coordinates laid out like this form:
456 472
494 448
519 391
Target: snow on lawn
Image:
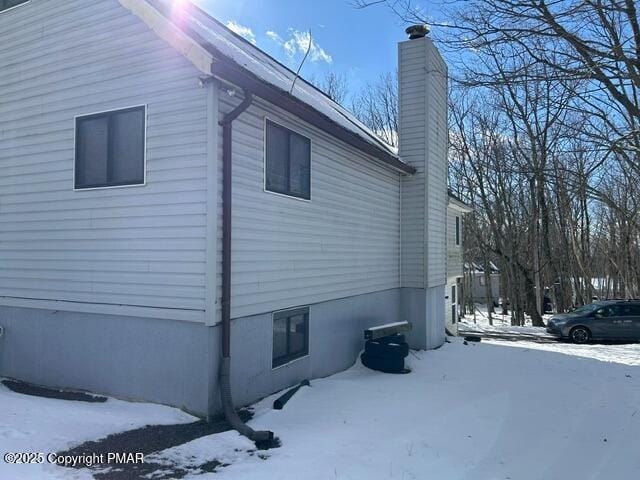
465 412
478 411
626 354
501 323
34 424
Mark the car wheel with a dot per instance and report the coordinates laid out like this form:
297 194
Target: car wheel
579 335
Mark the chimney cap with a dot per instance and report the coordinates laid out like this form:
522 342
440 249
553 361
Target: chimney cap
417 31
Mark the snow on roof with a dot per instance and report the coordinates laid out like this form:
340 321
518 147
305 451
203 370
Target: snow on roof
243 53
476 267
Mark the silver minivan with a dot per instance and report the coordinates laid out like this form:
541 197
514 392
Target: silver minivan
604 320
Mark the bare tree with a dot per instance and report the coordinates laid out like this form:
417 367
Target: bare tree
545 142
377 107
334 85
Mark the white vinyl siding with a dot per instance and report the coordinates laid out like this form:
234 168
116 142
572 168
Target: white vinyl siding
449 304
423 144
454 252
142 247
345 241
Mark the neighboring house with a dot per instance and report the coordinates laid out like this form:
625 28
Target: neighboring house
456 209
478 281
115 202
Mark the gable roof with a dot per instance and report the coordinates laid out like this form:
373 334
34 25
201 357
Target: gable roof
216 50
457 203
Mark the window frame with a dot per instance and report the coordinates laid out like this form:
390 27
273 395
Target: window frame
99 114
267 120
277 362
458 230
2 10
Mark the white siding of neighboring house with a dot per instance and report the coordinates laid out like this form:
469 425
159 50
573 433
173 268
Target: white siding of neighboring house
286 252
451 321
142 246
454 267
454 252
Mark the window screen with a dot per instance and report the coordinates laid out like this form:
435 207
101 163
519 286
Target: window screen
110 149
288 162
7 4
290 335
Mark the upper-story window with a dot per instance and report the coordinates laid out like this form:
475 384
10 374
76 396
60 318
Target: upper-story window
288 162
110 148
457 230
7 4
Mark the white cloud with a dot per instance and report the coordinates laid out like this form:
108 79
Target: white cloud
275 37
297 44
241 30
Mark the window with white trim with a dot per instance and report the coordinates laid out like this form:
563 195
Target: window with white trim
290 335
110 148
287 162
7 4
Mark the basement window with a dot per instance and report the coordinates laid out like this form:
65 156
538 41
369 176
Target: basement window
287 162
110 149
7 4
290 335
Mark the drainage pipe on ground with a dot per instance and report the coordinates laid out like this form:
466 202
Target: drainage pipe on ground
225 367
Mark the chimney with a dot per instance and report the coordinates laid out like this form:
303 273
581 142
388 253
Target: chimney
422 91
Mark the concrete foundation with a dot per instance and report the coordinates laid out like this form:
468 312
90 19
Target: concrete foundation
176 362
127 357
424 308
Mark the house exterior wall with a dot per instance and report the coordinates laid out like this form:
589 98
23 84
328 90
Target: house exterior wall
137 250
451 305
454 252
479 289
288 252
454 270
121 356
336 338
94 284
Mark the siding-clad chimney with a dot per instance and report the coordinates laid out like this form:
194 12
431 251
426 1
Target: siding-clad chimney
423 144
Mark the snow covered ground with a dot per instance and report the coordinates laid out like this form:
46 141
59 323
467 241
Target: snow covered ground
628 354
33 424
479 322
477 411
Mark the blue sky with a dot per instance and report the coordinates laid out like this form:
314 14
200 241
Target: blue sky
362 44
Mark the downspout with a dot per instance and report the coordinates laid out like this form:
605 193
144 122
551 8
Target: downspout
225 371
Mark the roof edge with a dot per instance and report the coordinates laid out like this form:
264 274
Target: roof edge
210 61
456 202
184 43
231 72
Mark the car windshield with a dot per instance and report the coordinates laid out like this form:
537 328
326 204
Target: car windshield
586 308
